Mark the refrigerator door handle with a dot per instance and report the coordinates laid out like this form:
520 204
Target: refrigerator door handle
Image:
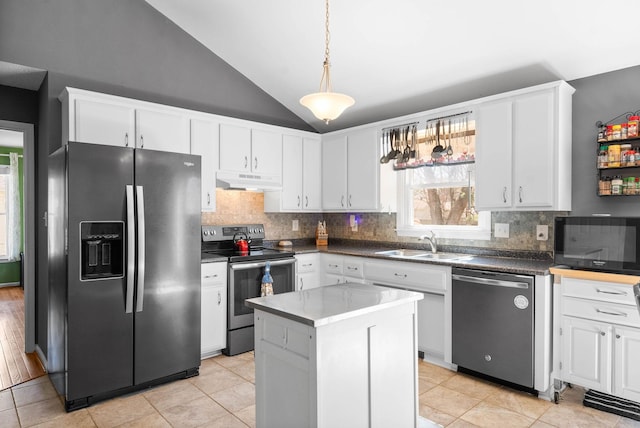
141 248
131 250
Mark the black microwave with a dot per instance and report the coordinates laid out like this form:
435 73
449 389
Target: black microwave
609 244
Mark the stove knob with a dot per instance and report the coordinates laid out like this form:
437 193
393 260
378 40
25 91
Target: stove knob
214 232
205 233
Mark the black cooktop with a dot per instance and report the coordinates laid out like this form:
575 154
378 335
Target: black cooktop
219 241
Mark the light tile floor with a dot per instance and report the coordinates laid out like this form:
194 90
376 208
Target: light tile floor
223 395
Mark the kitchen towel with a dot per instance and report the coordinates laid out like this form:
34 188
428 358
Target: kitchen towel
611 404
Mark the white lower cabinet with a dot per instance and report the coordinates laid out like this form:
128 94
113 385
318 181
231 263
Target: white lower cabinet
434 311
600 337
307 271
213 333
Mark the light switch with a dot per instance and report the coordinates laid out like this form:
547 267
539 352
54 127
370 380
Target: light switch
295 225
501 230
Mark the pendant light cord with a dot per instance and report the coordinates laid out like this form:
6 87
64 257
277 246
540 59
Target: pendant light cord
326 76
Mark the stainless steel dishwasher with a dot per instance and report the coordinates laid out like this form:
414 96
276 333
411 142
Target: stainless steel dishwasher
493 325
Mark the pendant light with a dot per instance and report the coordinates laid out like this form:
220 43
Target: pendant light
326 105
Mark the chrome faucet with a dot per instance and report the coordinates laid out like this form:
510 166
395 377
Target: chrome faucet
432 241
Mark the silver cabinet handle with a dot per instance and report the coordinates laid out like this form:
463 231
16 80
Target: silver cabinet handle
131 248
208 198
215 275
342 201
333 266
126 139
520 194
307 264
614 292
602 333
617 314
301 284
141 248
255 167
504 194
306 201
141 141
352 268
349 200
219 298
246 162
400 275
298 200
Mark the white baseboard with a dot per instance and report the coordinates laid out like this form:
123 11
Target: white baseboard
9 284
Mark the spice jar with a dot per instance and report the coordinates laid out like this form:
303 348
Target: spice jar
629 186
602 134
626 155
632 126
616 185
614 155
604 186
603 157
609 132
617 132
624 130
637 192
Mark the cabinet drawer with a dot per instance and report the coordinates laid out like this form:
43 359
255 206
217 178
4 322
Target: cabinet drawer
213 273
598 290
307 263
285 334
427 278
332 263
353 268
601 311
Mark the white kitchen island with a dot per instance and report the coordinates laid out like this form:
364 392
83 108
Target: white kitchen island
337 356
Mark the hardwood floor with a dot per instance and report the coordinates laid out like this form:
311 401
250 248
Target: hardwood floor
15 365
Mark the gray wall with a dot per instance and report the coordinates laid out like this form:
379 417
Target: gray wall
601 97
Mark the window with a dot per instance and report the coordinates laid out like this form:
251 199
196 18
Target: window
4 211
439 194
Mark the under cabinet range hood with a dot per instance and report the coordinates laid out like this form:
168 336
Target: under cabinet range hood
247 181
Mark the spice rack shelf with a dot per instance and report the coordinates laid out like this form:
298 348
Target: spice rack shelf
618 158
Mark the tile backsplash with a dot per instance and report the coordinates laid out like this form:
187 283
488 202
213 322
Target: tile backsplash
238 206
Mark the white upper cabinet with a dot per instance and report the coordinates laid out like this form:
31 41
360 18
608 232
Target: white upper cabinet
523 150
162 129
95 121
204 142
92 117
243 149
350 171
301 177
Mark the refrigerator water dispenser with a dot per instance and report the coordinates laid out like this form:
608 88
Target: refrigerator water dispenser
102 250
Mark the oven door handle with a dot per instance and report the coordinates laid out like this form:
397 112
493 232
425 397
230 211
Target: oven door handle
247 266
489 281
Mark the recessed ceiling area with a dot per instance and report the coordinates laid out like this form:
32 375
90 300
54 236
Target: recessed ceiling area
405 56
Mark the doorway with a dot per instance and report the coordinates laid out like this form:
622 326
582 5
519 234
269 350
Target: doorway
22 295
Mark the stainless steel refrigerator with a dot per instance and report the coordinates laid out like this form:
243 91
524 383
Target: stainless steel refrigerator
124 270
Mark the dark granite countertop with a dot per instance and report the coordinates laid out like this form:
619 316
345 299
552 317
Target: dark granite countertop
499 261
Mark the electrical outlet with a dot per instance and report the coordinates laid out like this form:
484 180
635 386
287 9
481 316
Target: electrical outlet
353 223
295 225
542 232
501 230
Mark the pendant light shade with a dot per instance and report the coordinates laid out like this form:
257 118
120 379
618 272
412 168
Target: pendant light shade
326 105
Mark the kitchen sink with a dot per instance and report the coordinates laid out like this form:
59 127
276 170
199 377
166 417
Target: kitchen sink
402 253
422 255
442 256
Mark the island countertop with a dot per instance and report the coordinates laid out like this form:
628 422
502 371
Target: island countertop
325 305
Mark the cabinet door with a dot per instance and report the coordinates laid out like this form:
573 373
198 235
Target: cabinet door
204 142
162 130
235 148
101 122
266 152
292 172
431 325
533 145
494 156
311 174
586 353
362 170
626 368
214 319
334 173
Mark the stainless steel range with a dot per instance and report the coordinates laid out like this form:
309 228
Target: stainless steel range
244 275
